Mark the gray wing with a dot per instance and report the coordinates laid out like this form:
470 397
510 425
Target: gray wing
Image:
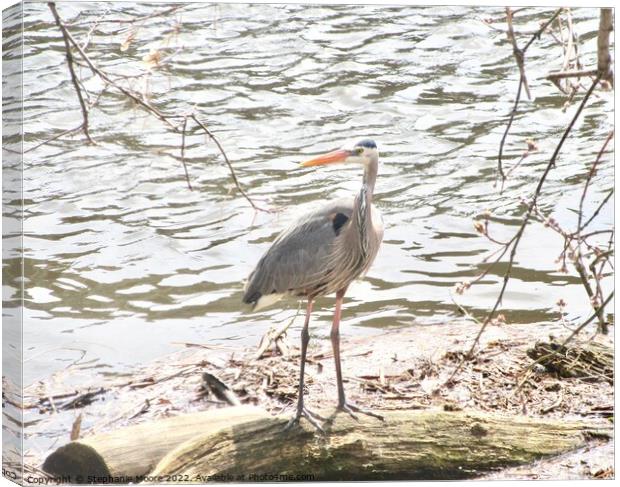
298 257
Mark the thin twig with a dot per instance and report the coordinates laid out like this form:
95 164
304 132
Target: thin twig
51 139
589 179
230 168
577 260
568 46
498 259
189 184
74 79
520 58
581 238
531 147
597 232
160 13
165 118
582 73
555 403
513 113
92 28
521 229
274 335
554 353
599 208
542 28
519 54
105 77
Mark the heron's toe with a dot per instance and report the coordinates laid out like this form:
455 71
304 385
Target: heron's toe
352 409
312 417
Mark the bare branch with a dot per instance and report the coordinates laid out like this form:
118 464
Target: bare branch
105 77
171 120
513 113
58 136
183 131
588 180
542 29
575 70
517 238
74 78
571 74
92 29
587 322
518 53
160 13
520 58
599 208
531 148
604 57
232 171
568 339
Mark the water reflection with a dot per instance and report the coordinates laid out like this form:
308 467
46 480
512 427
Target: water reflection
122 259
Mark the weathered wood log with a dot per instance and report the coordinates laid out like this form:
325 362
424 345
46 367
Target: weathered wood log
407 445
133 451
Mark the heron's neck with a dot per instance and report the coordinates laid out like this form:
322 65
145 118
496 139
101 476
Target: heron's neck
362 209
363 200
370 177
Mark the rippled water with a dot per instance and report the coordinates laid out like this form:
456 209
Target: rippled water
122 259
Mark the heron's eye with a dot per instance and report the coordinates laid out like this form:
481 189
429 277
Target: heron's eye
359 150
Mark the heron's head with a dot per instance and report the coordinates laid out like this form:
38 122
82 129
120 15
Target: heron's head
363 152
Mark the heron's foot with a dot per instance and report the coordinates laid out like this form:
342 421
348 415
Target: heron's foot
347 407
312 417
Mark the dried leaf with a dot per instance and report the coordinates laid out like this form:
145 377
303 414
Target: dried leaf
531 145
153 58
128 40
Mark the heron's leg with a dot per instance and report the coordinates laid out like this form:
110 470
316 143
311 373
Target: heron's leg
305 338
335 338
301 409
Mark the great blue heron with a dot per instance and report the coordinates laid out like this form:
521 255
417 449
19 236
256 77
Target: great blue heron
322 253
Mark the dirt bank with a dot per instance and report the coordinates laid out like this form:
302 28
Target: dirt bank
398 369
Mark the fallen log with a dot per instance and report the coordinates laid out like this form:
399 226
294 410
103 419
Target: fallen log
226 443
412 445
131 452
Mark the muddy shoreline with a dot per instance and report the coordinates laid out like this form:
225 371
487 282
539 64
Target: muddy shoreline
399 369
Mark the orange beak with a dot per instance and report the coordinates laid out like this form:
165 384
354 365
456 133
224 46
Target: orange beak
329 158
